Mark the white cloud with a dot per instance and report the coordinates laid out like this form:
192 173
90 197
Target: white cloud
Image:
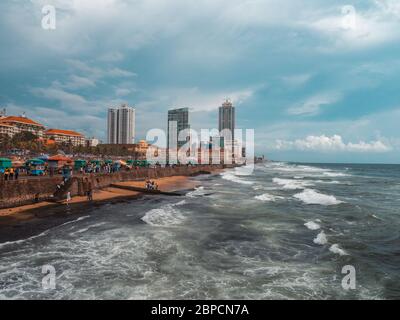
313 104
117 72
67 99
120 92
96 73
332 144
113 56
348 28
198 100
297 79
77 82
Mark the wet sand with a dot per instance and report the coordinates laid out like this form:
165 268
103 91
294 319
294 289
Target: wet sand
169 184
26 221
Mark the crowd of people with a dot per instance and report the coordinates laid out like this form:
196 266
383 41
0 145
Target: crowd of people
151 185
9 174
99 168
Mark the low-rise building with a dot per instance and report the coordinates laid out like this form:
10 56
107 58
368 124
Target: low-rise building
8 129
23 124
66 136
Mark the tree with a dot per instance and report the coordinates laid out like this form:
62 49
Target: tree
5 142
24 136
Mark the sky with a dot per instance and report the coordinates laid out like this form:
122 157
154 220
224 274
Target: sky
318 80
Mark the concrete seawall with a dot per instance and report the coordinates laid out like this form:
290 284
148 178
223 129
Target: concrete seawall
23 192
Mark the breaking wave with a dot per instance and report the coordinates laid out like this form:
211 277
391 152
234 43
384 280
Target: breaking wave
168 215
310 196
335 174
337 250
321 239
232 177
312 225
290 184
268 197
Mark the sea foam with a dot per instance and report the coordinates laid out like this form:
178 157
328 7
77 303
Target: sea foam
168 215
321 239
337 250
266 197
335 174
310 196
290 184
312 225
231 177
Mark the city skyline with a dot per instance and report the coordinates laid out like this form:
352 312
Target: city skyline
288 70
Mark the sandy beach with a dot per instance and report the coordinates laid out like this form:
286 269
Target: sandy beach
29 220
176 183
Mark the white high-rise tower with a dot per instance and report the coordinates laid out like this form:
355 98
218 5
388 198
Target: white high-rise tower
121 125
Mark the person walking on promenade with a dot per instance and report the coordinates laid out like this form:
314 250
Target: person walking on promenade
6 174
90 191
16 173
68 198
11 174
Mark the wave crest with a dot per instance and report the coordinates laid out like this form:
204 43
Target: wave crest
168 215
268 197
312 225
310 196
321 239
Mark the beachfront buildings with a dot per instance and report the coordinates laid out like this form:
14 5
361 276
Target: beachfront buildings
8 129
66 136
178 120
121 125
13 125
226 123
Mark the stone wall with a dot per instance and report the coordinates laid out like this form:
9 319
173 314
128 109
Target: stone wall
21 192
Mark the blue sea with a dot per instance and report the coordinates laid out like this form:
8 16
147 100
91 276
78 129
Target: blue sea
284 231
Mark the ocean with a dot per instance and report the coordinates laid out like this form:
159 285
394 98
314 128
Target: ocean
284 232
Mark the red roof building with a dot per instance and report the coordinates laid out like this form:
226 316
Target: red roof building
65 136
23 124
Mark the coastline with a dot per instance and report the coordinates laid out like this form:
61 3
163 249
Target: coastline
31 220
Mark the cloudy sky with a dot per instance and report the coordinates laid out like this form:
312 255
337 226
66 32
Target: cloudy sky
318 80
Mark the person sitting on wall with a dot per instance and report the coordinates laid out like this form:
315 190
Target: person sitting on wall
148 185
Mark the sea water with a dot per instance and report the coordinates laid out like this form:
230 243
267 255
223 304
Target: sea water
284 232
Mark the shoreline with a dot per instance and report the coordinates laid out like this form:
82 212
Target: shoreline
31 220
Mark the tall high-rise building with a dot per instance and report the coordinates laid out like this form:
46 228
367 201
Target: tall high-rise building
178 120
121 125
227 121
181 117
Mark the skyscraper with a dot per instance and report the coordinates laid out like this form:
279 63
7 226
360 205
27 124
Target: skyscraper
121 125
178 120
227 121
